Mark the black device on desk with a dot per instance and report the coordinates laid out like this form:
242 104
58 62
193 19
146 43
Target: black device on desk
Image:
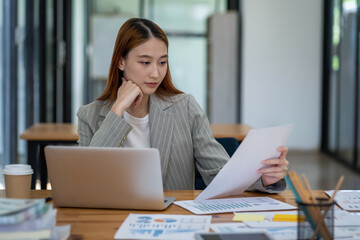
232 236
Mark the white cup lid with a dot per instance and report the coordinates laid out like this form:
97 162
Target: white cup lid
18 169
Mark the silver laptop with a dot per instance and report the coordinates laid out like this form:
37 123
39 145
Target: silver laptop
96 177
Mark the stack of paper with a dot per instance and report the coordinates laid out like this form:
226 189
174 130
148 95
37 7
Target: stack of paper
29 219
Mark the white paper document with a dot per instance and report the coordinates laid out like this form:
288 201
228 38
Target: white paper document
282 233
347 199
227 227
245 204
162 226
341 219
240 172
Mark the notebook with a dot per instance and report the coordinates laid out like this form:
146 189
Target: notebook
97 177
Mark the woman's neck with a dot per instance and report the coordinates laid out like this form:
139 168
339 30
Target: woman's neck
142 110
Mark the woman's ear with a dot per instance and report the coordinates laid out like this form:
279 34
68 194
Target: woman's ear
122 64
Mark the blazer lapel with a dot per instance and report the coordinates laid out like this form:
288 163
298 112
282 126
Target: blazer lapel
161 129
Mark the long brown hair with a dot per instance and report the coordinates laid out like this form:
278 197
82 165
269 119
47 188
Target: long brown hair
132 33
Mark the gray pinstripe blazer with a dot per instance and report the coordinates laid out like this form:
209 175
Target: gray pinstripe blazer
179 129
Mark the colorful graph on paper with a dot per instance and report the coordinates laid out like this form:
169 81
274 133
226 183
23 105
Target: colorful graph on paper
161 226
347 199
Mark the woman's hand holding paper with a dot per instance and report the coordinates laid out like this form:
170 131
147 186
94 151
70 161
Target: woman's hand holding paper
274 169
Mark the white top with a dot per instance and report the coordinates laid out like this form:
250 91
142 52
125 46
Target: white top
139 136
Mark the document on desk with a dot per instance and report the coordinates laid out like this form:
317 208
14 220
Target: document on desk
162 226
240 172
347 199
245 204
341 219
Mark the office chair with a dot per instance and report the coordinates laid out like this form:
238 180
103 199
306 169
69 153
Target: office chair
230 145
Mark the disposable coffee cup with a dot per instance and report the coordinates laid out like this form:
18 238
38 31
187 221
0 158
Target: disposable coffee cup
17 180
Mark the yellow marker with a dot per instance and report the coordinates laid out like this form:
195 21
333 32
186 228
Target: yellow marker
241 217
287 218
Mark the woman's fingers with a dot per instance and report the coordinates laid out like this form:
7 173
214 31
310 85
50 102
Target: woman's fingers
273 161
128 94
276 161
283 150
272 177
129 90
272 168
138 99
275 169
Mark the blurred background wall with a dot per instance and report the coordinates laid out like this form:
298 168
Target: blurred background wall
282 67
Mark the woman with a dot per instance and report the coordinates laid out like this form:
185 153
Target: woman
140 107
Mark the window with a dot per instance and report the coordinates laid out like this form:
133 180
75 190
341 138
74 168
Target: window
184 22
1 93
341 82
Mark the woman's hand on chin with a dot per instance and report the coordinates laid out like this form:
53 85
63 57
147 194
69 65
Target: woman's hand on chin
128 95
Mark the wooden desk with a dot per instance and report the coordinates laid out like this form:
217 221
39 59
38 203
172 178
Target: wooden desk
238 131
40 135
103 223
68 131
